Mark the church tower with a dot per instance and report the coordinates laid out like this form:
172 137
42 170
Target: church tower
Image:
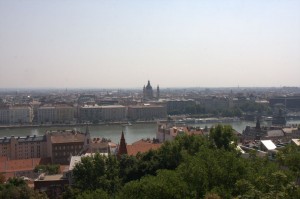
87 138
122 147
157 93
257 127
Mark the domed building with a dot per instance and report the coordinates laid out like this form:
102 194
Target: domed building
148 92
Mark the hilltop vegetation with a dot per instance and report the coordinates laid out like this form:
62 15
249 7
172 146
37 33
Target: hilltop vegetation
189 167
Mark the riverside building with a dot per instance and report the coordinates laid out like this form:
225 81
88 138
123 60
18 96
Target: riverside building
93 113
57 145
146 112
16 114
57 113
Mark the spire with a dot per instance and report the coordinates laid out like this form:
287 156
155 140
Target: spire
257 124
122 147
87 137
87 130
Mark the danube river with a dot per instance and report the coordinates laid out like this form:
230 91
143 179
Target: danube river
113 132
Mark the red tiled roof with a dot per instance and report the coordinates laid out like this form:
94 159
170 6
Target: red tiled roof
141 146
19 165
8 166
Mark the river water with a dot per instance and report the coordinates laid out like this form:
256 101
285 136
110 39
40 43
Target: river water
113 132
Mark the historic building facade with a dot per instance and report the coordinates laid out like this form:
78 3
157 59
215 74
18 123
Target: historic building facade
148 93
57 113
147 112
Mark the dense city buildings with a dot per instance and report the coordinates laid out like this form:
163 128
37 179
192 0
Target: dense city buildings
212 103
290 102
116 105
179 106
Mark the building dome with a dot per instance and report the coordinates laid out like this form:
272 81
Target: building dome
148 85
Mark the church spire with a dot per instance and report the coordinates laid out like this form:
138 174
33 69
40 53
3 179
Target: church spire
157 92
257 124
122 147
87 137
87 130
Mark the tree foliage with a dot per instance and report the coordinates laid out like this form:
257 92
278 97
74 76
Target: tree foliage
223 137
50 169
16 188
166 184
189 167
2 178
97 172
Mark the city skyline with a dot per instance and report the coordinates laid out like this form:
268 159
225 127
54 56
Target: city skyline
114 44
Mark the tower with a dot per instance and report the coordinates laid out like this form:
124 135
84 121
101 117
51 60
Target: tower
87 137
122 147
157 92
257 127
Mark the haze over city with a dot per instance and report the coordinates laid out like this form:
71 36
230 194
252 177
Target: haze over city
119 44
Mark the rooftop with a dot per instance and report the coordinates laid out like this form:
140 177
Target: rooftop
268 144
296 141
97 106
142 146
50 177
67 137
28 138
21 165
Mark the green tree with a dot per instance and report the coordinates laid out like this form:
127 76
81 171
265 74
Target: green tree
17 188
97 172
167 184
97 194
49 169
223 137
16 182
2 178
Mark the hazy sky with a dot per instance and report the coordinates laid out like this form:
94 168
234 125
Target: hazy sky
102 44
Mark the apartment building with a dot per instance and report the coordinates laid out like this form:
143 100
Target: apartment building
146 112
102 113
4 114
61 145
23 147
57 113
16 114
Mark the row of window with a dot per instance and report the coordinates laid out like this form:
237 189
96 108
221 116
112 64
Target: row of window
67 147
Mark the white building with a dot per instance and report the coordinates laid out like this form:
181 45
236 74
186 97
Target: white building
102 113
4 115
20 114
113 113
267 145
58 113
